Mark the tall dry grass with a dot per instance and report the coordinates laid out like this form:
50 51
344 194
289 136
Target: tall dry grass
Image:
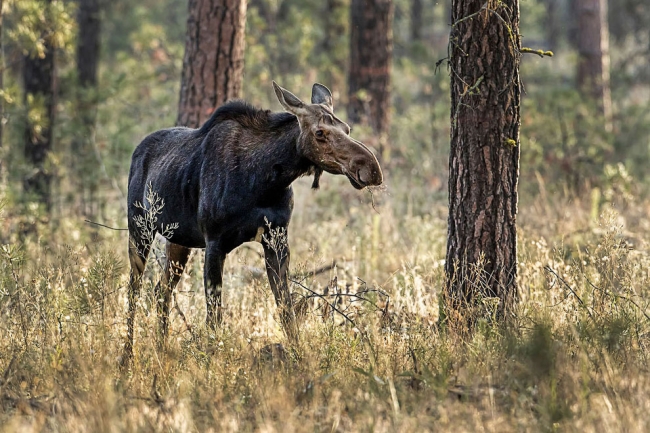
576 358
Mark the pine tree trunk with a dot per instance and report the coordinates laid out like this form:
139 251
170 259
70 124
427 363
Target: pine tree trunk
371 48
593 52
38 82
83 155
484 160
214 58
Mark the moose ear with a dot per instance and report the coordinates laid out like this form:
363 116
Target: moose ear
321 95
289 101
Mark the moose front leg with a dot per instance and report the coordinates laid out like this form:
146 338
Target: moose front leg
212 282
276 255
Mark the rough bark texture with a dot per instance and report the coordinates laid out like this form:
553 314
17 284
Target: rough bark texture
593 52
484 158
83 159
38 82
371 48
214 58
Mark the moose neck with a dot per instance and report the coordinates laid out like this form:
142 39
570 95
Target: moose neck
283 157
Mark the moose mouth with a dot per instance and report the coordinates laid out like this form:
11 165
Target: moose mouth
358 184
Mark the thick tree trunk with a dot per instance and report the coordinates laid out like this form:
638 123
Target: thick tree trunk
38 81
214 58
83 156
371 48
484 159
593 52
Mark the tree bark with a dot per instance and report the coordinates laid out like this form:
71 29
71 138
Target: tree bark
371 48
214 58
484 160
38 81
593 51
83 156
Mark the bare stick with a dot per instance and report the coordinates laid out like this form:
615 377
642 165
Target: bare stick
105 226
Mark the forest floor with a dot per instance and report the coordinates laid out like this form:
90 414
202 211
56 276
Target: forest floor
575 357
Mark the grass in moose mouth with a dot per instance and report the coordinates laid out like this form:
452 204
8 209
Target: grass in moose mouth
567 363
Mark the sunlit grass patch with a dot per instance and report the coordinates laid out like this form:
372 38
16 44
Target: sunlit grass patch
371 355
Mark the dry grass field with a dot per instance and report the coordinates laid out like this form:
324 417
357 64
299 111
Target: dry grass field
371 357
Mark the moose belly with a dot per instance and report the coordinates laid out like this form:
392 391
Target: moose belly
181 231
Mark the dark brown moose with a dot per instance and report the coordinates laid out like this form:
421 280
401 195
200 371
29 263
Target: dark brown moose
229 182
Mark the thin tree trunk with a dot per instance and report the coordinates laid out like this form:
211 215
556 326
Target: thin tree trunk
334 14
593 52
38 80
371 48
552 24
83 155
2 87
214 58
416 20
484 160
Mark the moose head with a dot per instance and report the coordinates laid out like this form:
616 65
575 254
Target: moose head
325 139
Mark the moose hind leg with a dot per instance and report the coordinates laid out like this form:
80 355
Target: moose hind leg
175 262
138 260
212 281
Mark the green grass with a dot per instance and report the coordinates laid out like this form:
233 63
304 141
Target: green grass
575 358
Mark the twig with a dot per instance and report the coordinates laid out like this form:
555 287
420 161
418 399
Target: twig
323 269
615 295
349 295
541 53
180 313
105 226
345 316
582 304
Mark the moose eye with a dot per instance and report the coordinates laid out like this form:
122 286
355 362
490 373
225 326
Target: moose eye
319 133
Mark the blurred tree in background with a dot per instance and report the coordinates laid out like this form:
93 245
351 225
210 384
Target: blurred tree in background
593 55
565 149
371 48
214 58
83 145
38 97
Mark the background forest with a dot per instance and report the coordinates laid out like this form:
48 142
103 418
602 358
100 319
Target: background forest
576 359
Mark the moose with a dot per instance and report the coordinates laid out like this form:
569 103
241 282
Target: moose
229 182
